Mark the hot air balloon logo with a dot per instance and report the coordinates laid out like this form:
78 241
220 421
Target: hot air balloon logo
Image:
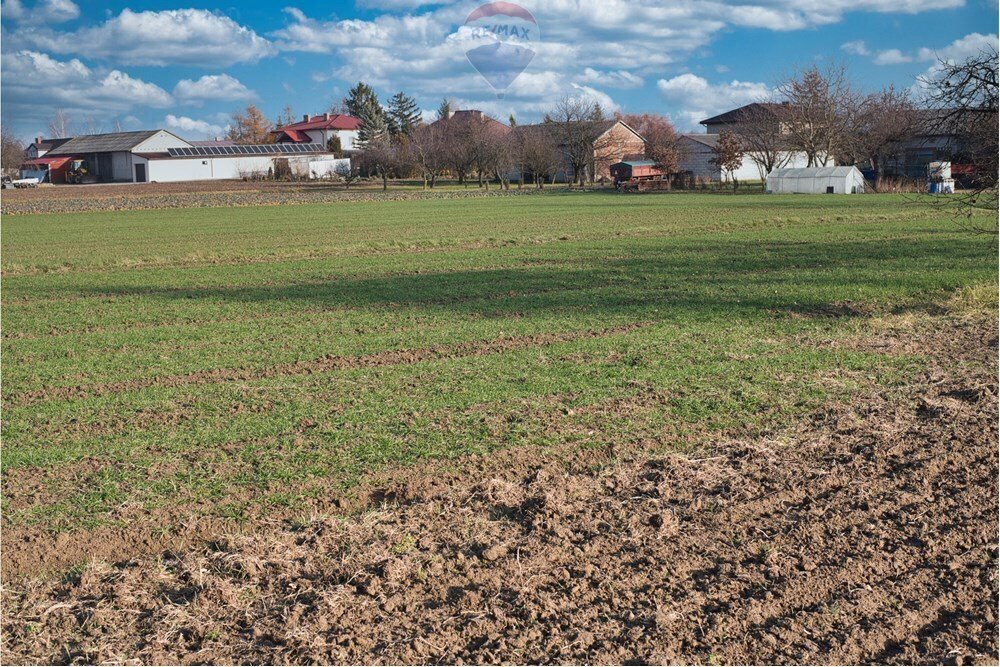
502 35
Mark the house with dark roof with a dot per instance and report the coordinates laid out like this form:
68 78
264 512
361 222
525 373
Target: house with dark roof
697 150
763 112
40 147
320 130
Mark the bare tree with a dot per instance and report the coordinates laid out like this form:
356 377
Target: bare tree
662 143
965 95
728 155
60 125
886 120
92 125
11 152
459 145
820 112
429 148
761 133
577 124
538 152
386 156
489 148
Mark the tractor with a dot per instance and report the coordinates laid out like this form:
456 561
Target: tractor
79 172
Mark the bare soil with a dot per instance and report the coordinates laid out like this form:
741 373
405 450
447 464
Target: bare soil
188 194
865 533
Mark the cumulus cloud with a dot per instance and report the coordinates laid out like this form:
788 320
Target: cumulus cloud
35 80
213 87
169 37
971 45
192 128
613 79
42 12
857 48
698 99
601 44
891 57
961 49
882 57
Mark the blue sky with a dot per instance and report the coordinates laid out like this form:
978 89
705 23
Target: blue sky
186 66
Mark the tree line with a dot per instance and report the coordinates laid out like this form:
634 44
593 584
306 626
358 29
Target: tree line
816 112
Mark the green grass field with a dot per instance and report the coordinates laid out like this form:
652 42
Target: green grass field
238 362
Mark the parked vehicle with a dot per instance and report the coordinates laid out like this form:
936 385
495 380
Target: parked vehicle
25 183
79 172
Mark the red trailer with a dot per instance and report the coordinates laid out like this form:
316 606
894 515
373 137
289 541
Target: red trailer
630 173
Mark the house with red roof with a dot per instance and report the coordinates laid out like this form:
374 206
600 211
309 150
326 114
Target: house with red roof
320 129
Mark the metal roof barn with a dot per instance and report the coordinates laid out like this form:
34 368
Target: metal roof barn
103 143
816 180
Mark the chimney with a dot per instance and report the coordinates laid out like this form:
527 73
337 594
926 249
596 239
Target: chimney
38 140
305 118
326 116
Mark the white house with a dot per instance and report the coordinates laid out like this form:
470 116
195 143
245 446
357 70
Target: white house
320 129
698 150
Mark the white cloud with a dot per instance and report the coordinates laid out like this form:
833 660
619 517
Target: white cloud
43 12
594 95
615 79
602 44
35 80
698 99
192 128
216 87
857 48
169 37
971 45
965 47
891 57
883 57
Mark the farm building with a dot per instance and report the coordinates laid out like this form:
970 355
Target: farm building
698 150
111 157
197 163
320 130
816 180
160 156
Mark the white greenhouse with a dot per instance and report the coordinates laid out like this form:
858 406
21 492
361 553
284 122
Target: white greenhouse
816 180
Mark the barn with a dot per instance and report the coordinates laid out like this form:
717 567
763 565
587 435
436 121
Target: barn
253 162
816 180
161 156
111 157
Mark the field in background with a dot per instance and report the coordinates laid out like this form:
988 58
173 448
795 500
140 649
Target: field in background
172 374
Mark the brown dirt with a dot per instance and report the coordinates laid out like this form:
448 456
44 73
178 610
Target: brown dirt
865 533
139 196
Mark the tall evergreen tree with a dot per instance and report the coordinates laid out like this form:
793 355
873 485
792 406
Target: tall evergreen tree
361 99
404 114
444 111
374 130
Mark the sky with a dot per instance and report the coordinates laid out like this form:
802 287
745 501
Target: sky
186 66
